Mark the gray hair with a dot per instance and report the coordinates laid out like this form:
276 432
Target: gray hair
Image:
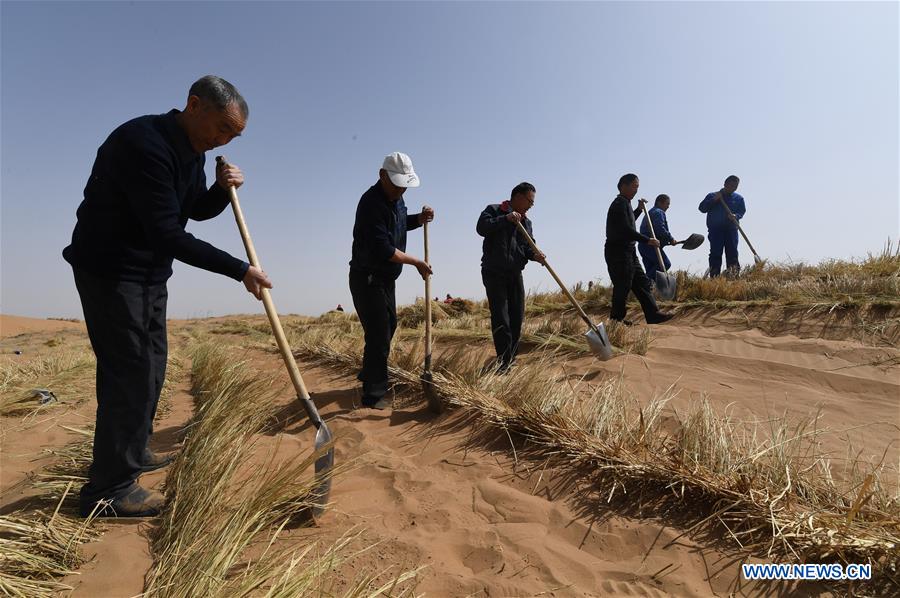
219 92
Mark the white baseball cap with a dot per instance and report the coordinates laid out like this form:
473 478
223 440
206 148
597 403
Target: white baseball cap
400 169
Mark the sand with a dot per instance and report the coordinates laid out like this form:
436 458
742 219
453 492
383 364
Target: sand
11 326
478 519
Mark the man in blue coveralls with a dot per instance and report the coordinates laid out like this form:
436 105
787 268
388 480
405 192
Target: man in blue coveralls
723 228
661 228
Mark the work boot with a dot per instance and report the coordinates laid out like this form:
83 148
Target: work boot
138 502
622 321
153 460
380 404
660 317
375 396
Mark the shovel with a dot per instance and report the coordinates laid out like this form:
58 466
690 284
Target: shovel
692 242
434 402
728 211
323 435
596 336
665 282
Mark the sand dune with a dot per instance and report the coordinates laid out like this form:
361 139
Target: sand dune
474 516
15 325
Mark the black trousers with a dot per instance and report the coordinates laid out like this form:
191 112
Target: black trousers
376 306
126 322
626 275
506 299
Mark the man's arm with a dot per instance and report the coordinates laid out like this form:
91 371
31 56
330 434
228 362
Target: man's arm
150 191
375 235
400 257
623 222
414 221
488 222
707 203
661 227
211 203
739 208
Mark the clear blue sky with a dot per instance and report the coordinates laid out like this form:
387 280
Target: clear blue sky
798 99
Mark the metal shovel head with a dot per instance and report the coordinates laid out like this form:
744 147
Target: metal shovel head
599 344
324 463
665 285
434 401
693 242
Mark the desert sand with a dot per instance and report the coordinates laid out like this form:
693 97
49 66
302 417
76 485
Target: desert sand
476 518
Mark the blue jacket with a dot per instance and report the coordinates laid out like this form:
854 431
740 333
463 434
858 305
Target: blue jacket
660 227
716 218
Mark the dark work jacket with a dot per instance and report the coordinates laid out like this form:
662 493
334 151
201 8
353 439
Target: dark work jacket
147 181
504 250
620 231
379 229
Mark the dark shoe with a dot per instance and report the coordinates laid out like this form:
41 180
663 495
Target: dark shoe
376 403
139 502
660 317
153 461
622 321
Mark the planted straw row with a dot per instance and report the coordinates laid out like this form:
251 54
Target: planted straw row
766 484
219 534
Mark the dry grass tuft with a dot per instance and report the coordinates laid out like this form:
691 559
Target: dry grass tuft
217 535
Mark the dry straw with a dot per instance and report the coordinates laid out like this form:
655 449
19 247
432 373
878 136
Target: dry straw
36 550
766 484
219 533
66 371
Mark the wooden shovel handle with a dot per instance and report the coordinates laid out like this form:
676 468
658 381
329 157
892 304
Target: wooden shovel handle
427 302
738 224
271 312
662 262
562 286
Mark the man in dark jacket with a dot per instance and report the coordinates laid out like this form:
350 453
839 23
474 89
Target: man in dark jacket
723 230
147 181
379 246
504 255
621 258
661 228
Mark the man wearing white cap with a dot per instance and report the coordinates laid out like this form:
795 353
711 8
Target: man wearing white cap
379 252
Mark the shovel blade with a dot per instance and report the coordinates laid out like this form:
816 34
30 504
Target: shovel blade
665 285
434 401
599 343
693 242
324 463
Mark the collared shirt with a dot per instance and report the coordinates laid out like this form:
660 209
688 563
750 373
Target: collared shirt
380 229
716 217
147 181
660 226
620 230
504 249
